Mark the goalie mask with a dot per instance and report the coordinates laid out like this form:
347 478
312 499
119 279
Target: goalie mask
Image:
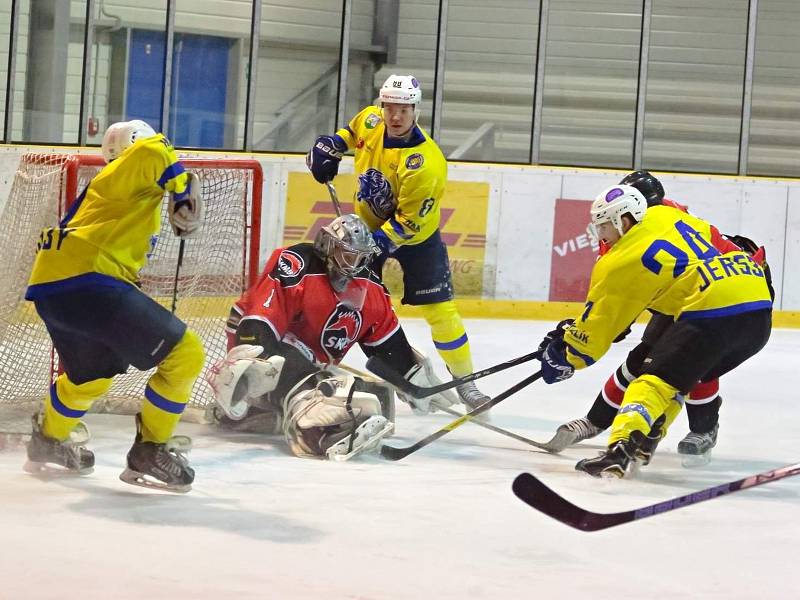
613 203
120 136
347 247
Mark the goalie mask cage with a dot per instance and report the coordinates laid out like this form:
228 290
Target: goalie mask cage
218 265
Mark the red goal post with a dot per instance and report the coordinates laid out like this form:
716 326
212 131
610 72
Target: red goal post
217 267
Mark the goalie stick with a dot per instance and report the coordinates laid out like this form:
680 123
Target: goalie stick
533 492
379 366
392 453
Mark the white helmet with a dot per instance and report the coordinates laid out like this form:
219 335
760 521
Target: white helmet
120 136
616 201
401 89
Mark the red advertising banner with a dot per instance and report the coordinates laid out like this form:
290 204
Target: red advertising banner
574 251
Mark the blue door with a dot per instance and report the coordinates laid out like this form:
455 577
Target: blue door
199 86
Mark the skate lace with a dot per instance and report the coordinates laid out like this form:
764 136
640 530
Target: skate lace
470 394
583 428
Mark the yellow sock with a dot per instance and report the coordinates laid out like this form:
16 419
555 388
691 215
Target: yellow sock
169 388
67 402
449 336
646 399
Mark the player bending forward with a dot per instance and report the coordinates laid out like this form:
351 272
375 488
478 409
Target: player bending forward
84 287
703 401
401 180
290 329
660 258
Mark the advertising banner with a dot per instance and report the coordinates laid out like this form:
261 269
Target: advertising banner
574 251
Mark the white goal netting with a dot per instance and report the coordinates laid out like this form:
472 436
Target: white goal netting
217 266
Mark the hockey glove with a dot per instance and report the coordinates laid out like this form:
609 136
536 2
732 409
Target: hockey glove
555 366
556 334
385 245
324 158
186 209
422 374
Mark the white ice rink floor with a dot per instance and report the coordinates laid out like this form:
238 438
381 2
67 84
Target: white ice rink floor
441 523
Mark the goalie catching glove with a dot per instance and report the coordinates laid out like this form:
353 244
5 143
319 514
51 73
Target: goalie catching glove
186 209
241 379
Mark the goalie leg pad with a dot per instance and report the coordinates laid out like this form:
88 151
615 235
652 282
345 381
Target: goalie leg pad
315 421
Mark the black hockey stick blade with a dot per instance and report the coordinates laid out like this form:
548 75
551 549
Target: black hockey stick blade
383 370
392 453
533 492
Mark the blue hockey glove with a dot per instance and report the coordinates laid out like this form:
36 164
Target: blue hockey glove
556 334
324 157
555 366
385 245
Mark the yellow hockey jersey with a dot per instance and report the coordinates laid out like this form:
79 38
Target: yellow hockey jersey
665 263
106 235
401 183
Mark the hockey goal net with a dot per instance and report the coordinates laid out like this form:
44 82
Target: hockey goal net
216 267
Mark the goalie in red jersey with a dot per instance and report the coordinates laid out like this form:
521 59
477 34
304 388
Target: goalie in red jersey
287 333
703 401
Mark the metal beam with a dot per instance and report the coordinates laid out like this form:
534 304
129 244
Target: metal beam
344 60
747 91
538 86
169 34
438 79
252 76
88 47
641 86
11 76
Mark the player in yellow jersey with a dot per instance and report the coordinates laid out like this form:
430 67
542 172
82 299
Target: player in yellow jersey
660 258
401 179
84 287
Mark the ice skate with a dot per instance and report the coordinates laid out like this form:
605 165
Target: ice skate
161 466
366 437
695 448
571 433
623 457
472 398
54 457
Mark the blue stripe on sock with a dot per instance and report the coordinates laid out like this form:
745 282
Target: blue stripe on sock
62 408
457 343
159 401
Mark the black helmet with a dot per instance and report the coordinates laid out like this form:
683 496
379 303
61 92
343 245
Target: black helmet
649 186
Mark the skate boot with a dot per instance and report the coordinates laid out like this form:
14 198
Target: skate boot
571 433
695 448
68 457
613 462
162 466
366 437
472 398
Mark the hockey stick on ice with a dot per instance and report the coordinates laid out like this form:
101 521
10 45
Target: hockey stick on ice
500 430
177 274
379 366
392 453
532 491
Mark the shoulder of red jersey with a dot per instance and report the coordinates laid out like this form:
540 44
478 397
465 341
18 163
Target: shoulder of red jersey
290 265
673 204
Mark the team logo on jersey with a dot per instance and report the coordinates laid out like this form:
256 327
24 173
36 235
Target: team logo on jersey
372 121
414 161
340 332
377 193
290 263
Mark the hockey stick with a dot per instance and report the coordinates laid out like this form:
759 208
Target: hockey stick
177 273
392 453
334 198
500 430
379 366
535 493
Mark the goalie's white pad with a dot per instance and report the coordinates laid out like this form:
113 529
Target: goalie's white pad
188 219
365 438
241 378
422 375
318 419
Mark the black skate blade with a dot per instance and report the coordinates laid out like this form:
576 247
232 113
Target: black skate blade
132 477
47 470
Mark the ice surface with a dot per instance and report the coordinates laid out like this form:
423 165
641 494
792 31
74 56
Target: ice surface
442 523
